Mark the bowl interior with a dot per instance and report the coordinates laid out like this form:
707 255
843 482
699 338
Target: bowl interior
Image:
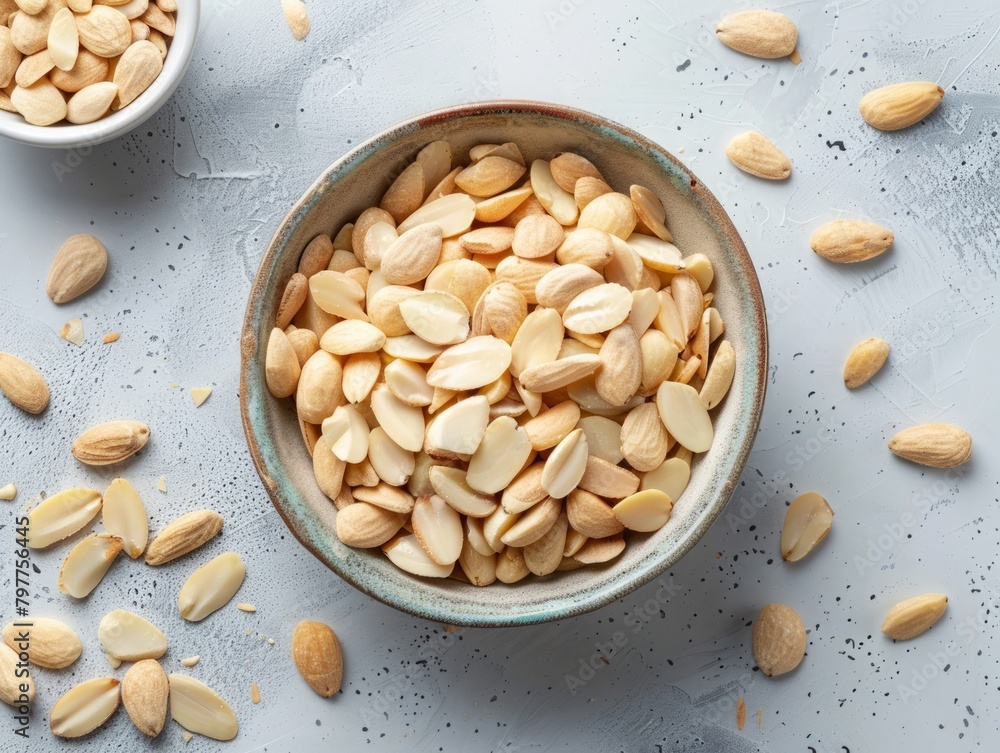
698 224
66 135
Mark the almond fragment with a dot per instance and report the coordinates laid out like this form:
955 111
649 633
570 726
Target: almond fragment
61 515
125 516
145 691
72 332
754 153
129 637
850 241
525 490
199 709
914 616
23 384
807 522
109 443
183 535
85 707
211 586
760 33
898 106
51 643
346 433
8 492
779 640
934 445
87 563
864 361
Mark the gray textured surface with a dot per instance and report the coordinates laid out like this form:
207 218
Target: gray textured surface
186 206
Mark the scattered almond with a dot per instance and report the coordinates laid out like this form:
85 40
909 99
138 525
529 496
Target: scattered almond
898 106
85 707
23 384
864 361
760 33
754 153
779 640
78 266
850 241
935 445
145 691
61 515
87 563
914 616
317 655
211 586
50 643
183 535
199 709
807 522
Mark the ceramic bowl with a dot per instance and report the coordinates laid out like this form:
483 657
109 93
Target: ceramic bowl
357 181
69 136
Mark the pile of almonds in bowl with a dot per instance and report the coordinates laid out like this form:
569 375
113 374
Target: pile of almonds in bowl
78 60
503 369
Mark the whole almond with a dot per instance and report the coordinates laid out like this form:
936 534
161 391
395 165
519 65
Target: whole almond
489 176
567 168
916 615
611 212
546 377
406 193
104 31
295 294
17 688
864 361
110 443
183 535
364 525
91 102
754 153
848 241
720 375
317 655
33 67
589 188
10 57
934 445
89 69
621 366
50 643
145 691
30 33
760 33
607 479
78 266
898 106
281 365
644 438
591 515
504 309
137 68
545 555
413 255
40 104
779 640
537 236
23 384
319 392
590 247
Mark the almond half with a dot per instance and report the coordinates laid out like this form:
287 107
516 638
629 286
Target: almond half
807 522
87 563
129 637
199 709
211 586
85 707
125 516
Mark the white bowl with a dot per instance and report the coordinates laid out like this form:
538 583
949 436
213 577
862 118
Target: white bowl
67 136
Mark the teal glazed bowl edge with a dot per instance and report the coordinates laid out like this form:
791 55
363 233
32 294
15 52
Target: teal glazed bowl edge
357 181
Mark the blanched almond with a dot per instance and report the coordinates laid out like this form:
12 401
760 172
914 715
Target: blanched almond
470 365
346 433
650 212
544 555
437 317
807 522
603 438
61 515
281 365
40 104
913 616
864 361
611 212
402 422
684 415
211 586
565 466
546 377
318 393
385 496
671 478
598 309
533 524
537 236
406 193
406 553
337 294
557 202
87 563
524 274
754 153
17 688
720 376
608 480
453 214
451 485
644 511
500 456
591 515
589 188
438 528
129 637
199 709
125 517
183 535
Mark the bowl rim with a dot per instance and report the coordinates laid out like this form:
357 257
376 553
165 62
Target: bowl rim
578 602
70 136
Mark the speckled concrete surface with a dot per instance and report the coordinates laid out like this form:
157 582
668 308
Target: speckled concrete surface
187 204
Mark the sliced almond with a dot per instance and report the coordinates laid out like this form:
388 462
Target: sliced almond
499 457
451 485
87 563
684 415
211 586
437 317
779 640
337 294
720 376
644 511
470 365
934 445
61 515
145 692
453 214
406 553
125 516
914 616
72 332
754 153
807 522
48 643
85 707
598 309
23 384
438 528
565 466
760 33
183 535
850 241
864 361
403 423
671 478
557 202
129 637
199 709
364 526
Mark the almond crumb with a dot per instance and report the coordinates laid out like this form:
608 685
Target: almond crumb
760 718
190 661
200 395
254 693
111 337
187 737
270 641
451 628
162 484
244 607
8 492
741 713
72 332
